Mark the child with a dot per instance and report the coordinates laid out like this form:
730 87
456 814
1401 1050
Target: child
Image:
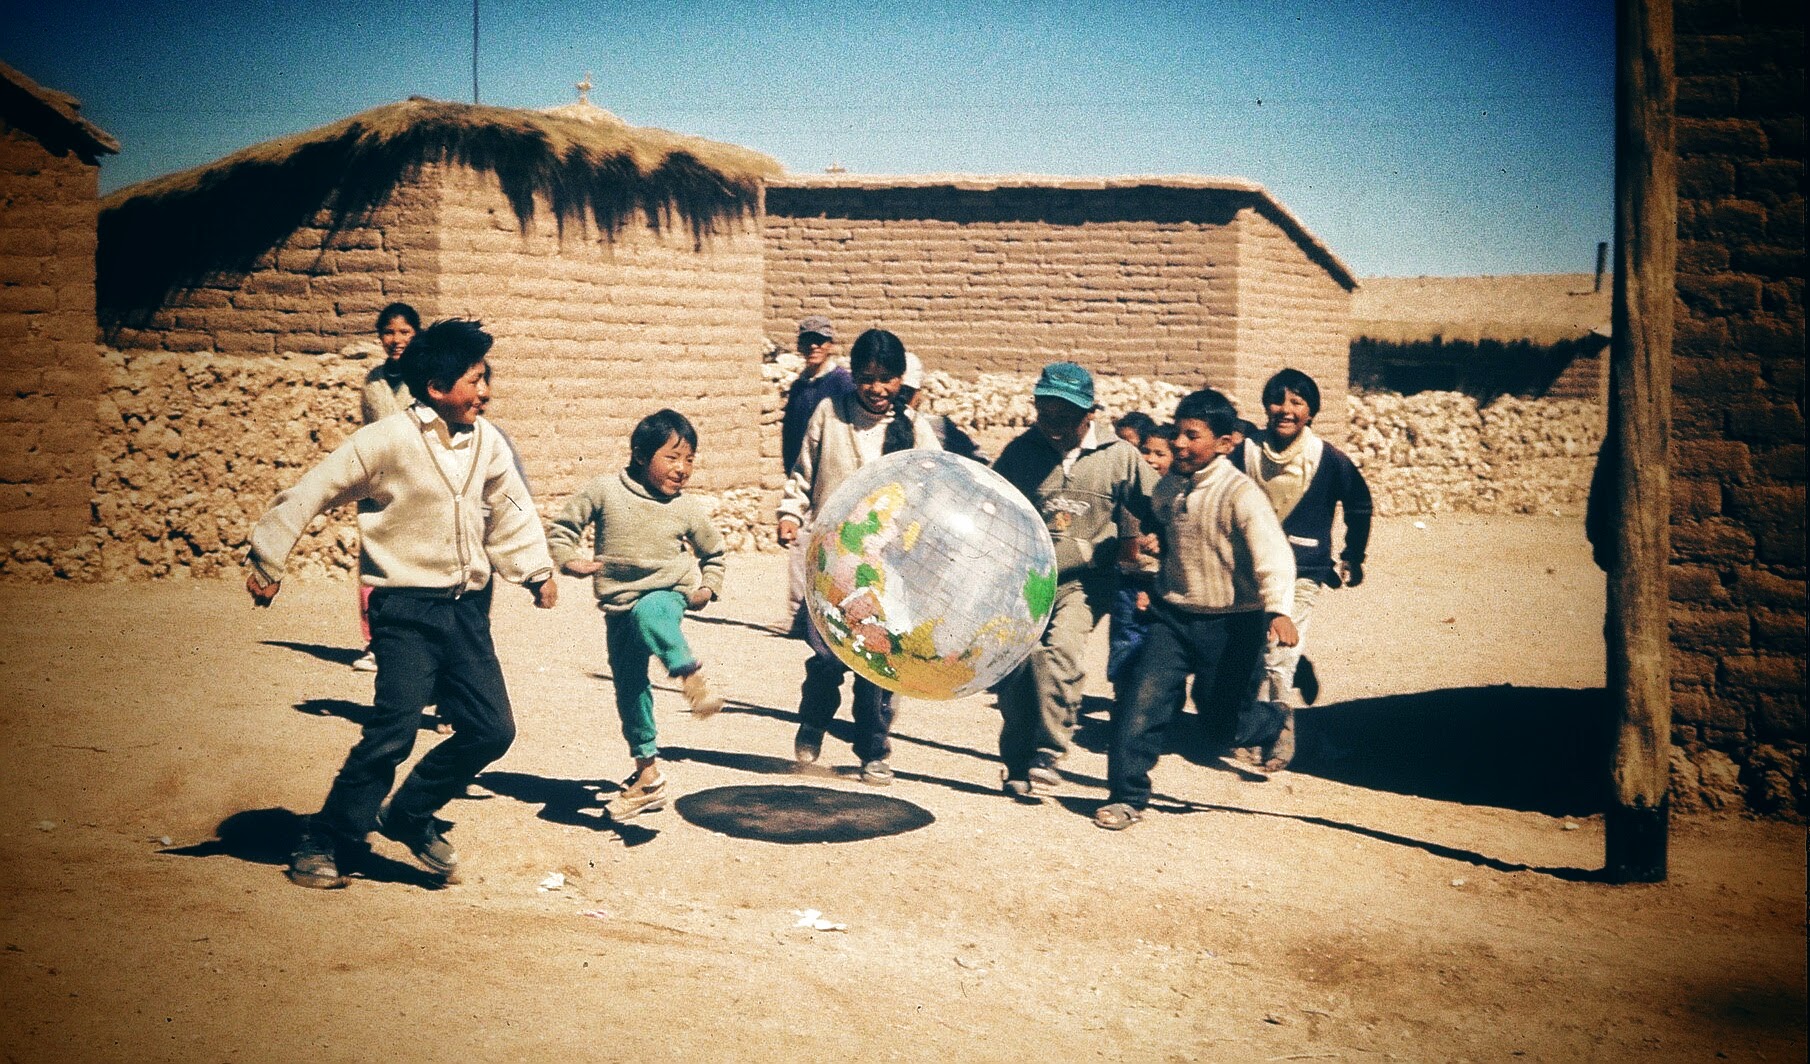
1227 576
949 435
1125 635
820 378
846 433
385 394
448 511
1133 427
656 555
1306 478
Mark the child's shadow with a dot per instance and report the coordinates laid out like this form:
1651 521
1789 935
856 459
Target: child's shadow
578 803
268 837
356 712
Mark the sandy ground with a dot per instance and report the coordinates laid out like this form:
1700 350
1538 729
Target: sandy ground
1418 888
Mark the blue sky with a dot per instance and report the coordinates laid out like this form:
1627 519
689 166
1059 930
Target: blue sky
1414 138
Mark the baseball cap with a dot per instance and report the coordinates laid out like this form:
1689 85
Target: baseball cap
1068 382
914 371
818 324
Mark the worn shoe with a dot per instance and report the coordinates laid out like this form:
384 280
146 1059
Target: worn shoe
425 842
1043 772
1020 791
807 747
876 773
1116 816
1278 755
639 795
314 864
1307 681
703 701
366 662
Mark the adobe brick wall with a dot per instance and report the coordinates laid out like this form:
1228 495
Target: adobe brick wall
1738 458
594 334
1146 281
50 368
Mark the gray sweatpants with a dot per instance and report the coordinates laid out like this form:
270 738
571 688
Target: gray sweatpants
1041 699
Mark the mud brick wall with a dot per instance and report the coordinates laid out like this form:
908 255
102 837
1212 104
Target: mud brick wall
318 291
595 334
1738 459
1147 281
50 370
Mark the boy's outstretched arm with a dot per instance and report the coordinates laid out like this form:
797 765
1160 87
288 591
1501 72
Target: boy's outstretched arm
340 478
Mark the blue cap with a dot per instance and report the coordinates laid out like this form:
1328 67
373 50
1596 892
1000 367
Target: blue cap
1067 381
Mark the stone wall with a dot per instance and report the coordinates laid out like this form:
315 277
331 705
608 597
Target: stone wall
50 369
1139 281
1738 456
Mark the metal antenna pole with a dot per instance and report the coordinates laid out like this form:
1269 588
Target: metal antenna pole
474 51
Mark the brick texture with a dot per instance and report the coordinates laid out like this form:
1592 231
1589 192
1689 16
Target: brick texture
1738 579
50 369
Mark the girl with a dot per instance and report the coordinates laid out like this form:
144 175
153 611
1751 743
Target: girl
655 555
385 394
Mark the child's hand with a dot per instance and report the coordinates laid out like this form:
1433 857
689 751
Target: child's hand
698 598
1148 543
1143 601
1352 573
581 567
788 532
261 593
546 593
1282 630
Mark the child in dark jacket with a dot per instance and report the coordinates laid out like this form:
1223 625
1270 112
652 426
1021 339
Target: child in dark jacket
1306 479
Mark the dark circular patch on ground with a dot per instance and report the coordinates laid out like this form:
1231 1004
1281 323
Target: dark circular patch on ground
792 814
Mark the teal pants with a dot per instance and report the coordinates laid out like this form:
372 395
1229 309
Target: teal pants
648 630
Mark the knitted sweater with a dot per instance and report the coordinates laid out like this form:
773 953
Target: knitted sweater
1223 549
419 529
646 542
385 393
1332 481
828 455
1086 505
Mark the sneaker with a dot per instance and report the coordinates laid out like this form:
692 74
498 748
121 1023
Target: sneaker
1043 772
1307 681
704 702
1021 791
313 864
366 662
807 747
638 795
426 843
876 773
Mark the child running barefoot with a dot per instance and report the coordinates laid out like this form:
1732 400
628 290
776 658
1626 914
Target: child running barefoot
656 554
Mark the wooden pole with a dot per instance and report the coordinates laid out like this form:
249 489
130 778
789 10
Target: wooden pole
1640 391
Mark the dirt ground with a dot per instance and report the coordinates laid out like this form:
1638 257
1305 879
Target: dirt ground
1418 888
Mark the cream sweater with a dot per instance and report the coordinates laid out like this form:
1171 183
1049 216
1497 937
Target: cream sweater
646 542
419 528
829 453
1223 549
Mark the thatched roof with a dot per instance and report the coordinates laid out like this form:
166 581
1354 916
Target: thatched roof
583 165
1547 308
1260 197
52 117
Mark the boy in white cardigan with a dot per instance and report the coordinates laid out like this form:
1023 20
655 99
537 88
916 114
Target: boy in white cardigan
1226 586
655 554
445 511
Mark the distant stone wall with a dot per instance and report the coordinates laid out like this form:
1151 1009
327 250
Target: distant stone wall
50 369
1738 456
1145 281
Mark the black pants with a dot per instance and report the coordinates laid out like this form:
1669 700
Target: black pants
1221 651
429 647
821 694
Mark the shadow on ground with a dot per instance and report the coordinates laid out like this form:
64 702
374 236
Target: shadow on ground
333 655
798 814
357 712
1535 749
268 837
578 803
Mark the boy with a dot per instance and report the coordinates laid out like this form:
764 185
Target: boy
447 509
820 379
1084 484
1227 582
846 433
1306 479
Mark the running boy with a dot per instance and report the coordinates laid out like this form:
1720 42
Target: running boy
447 511
1227 582
1306 479
1131 605
656 555
846 433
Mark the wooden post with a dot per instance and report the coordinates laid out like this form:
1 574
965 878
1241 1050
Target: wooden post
1640 392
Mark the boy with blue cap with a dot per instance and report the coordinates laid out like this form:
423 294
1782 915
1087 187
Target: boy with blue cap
1085 483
